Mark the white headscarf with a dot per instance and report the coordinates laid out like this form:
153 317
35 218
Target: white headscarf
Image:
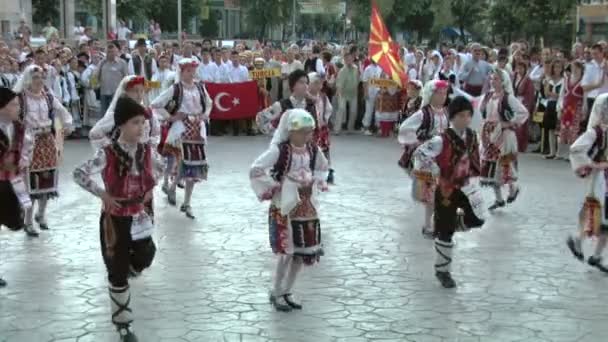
599 112
122 88
313 77
292 120
184 61
429 90
25 81
507 86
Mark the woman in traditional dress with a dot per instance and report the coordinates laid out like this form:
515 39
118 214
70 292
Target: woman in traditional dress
502 113
552 84
570 104
428 122
290 174
525 93
40 111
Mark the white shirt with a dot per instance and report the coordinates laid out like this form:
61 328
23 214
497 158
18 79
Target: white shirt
208 72
83 39
593 75
123 33
37 116
237 74
372 71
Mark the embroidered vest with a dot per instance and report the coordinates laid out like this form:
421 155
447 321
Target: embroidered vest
122 184
178 96
283 164
453 171
425 131
49 103
10 152
504 109
147 66
286 105
598 149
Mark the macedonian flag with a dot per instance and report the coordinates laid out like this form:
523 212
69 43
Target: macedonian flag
383 50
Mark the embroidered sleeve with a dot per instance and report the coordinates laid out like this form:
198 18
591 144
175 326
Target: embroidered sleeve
159 104
520 113
99 134
208 104
426 154
26 149
83 174
409 127
579 153
263 185
62 114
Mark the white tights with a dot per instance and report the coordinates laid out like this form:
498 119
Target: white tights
288 267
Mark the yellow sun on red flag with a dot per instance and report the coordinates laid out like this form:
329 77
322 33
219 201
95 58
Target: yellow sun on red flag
383 50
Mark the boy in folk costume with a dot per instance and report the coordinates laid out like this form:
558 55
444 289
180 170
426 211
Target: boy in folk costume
426 123
588 156
414 100
323 111
16 145
453 157
186 106
290 174
269 118
501 113
129 170
39 110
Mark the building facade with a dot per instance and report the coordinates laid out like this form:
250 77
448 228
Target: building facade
593 20
11 12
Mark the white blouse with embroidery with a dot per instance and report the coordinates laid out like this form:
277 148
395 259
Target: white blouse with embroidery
409 128
37 116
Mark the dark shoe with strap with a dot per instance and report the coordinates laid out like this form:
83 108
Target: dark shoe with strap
280 304
496 205
2 282
597 263
126 334
186 209
513 196
578 254
41 224
291 301
428 233
31 231
445 278
171 197
330 177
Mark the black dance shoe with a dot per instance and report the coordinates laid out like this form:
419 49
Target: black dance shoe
290 300
41 224
171 198
126 334
31 231
186 209
513 196
2 282
597 263
496 205
575 249
445 278
280 304
330 177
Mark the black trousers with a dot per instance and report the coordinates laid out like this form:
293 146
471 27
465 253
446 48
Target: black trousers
446 218
120 252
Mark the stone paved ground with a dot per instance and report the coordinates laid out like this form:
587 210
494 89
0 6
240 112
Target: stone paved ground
517 281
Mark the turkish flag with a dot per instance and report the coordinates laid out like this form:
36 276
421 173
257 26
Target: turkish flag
233 101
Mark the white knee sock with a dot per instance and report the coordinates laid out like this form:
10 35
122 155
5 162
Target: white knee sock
283 262
443 256
189 188
428 215
295 265
498 193
42 209
600 245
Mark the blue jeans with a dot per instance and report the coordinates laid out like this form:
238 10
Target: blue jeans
105 103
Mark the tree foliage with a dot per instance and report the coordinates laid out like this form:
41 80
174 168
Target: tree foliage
260 15
45 10
466 13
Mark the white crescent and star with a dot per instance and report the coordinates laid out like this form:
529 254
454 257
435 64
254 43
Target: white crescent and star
218 99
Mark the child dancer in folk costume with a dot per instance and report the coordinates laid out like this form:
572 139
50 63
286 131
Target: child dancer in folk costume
129 170
414 100
268 119
426 123
290 174
501 113
16 145
454 158
388 106
589 158
186 106
570 104
323 110
39 110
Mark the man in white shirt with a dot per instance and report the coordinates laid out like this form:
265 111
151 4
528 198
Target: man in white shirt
595 79
371 92
208 70
123 31
287 68
237 72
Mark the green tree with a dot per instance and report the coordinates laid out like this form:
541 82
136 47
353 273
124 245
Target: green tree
209 27
260 15
45 10
466 13
506 18
165 12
